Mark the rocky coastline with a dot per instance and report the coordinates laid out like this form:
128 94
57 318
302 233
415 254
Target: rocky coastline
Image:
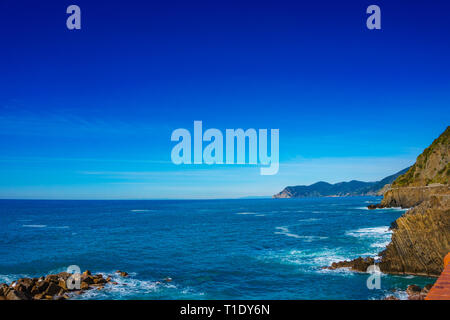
414 292
54 286
421 236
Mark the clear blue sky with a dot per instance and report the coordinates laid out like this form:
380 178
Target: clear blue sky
88 114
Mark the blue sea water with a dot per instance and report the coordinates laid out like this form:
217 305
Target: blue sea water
211 249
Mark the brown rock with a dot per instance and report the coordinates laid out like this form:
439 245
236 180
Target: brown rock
426 289
63 284
3 288
87 273
416 297
39 287
12 294
64 276
25 285
52 278
53 289
84 286
38 296
99 281
420 239
122 273
391 298
359 264
413 289
87 279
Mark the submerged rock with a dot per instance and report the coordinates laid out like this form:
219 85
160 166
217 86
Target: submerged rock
375 206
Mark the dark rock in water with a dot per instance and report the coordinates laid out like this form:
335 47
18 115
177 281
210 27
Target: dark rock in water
122 273
84 286
52 289
375 206
13 294
416 297
413 289
87 273
391 298
87 279
25 285
426 289
100 280
359 264
39 287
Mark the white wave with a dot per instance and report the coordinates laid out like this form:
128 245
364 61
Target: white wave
307 260
141 210
246 213
131 287
9 278
34 226
285 231
309 220
44 226
370 232
379 237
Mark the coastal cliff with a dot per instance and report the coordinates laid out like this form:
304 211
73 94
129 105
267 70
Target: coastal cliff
421 236
408 197
420 239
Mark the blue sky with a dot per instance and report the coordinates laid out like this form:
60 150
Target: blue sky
88 114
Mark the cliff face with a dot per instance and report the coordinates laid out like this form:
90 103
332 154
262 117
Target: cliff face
407 197
420 239
421 236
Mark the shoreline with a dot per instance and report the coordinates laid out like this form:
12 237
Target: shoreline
60 286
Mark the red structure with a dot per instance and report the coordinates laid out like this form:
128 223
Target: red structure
441 289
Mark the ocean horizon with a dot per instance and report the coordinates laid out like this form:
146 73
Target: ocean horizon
203 249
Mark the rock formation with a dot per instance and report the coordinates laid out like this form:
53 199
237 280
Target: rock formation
51 287
421 236
420 239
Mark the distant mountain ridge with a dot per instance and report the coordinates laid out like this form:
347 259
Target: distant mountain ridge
340 189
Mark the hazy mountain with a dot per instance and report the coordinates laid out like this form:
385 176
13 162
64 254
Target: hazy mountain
351 188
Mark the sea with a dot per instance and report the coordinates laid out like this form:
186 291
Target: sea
203 249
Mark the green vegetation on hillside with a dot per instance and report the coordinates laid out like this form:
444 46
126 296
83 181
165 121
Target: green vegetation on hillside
432 166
